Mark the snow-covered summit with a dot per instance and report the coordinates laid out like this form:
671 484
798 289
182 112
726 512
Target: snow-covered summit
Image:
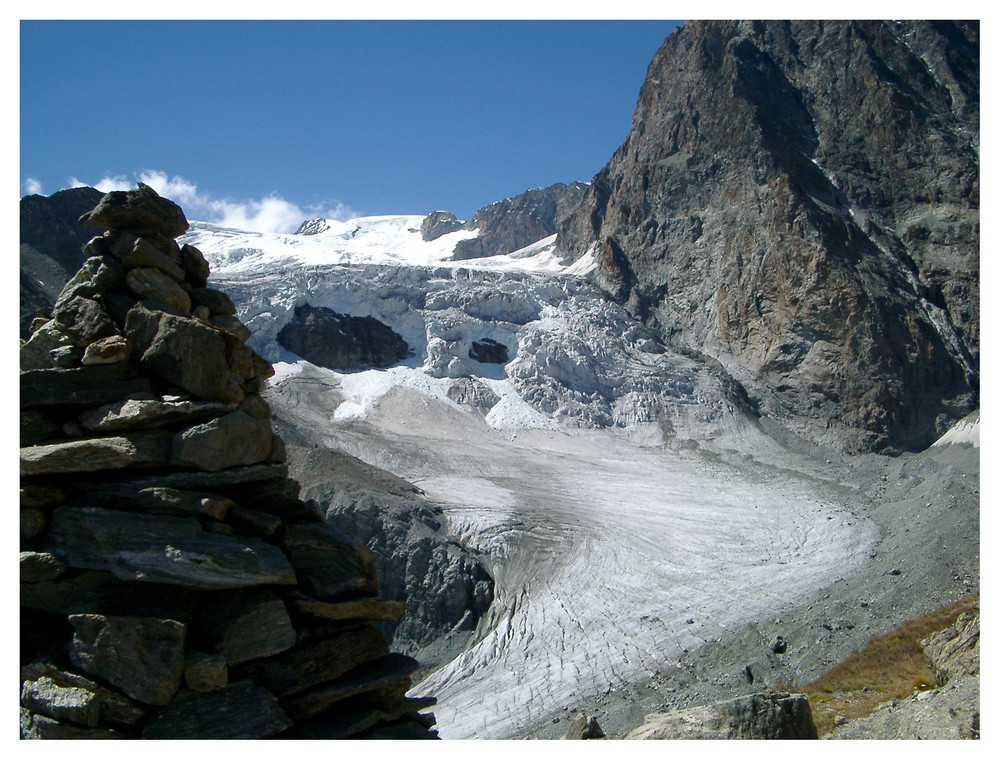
381 240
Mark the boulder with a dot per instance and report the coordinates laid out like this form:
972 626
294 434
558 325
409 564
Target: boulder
138 211
229 441
153 284
38 567
132 450
246 625
183 351
146 414
140 252
84 320
757 716
584 727
112 705
34 726
110 350
311 664
387 672
65 703
215 301
82 386
325 565
195 266
144 657
205 671
488 351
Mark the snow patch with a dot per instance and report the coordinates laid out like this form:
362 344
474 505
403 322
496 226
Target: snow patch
964 431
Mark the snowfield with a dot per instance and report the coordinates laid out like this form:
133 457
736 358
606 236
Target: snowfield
628 506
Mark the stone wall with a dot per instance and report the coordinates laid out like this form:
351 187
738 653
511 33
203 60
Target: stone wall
173 585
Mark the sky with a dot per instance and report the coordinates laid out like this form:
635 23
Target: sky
263 124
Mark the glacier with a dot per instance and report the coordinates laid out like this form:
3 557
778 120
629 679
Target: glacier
624 496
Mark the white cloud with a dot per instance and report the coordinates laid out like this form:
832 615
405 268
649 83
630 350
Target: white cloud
32 186
269 214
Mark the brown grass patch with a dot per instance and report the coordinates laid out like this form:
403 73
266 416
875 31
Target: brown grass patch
891 666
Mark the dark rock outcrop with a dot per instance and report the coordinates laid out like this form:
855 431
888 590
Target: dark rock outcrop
513 223
173 585
757 716
489 351
438 223
800 201
342 342
445 587
51 239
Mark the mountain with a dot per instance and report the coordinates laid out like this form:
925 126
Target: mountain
614 471
51 243
800 202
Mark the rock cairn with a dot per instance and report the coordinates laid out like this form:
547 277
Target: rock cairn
173 585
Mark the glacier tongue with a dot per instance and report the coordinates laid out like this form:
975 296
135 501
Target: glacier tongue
589 468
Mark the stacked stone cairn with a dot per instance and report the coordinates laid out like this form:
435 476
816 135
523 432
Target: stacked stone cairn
173 585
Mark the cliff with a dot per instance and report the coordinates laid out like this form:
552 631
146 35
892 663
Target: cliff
800 201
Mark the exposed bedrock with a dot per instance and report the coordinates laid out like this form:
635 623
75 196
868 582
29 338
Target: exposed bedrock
513 223
339 341
815 232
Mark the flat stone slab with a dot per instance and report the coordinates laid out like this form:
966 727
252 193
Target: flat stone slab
391 672
82 386
147 414
241 710
310 665
144 657
130 451
90 538
374 610
112 705
102 592
206 561
233 440
325 565
34 726
237 476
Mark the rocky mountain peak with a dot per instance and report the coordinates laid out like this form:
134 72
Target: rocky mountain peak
512 223
800 201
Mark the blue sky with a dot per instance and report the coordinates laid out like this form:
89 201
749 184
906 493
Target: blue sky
266 123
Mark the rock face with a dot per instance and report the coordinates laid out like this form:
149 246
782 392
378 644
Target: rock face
950 711
445 587
438 223
51 240
513 223
815 232
339 341
165 554
758 716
